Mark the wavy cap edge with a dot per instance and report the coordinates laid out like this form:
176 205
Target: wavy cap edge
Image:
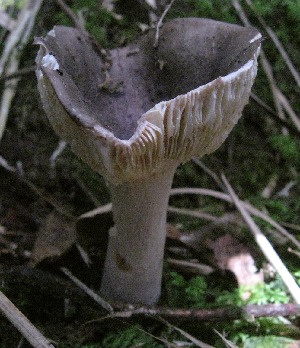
173 131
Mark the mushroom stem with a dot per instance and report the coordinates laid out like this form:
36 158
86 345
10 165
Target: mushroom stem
134 260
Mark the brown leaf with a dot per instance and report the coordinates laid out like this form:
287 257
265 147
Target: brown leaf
54 238
234 256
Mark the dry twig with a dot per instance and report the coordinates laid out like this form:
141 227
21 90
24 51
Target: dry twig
78 24
9 61
20 322
274 115
87 290
252 210
57 288
280 100
193 339
6 21
19 73
205 315
195 267
208 171
159 23
265 246
193 213
228 343
277 43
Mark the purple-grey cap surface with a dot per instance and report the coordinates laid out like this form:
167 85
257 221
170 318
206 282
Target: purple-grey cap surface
148 107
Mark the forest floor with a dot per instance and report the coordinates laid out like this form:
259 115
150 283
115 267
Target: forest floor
230 289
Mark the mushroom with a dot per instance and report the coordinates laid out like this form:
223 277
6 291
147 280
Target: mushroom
134 113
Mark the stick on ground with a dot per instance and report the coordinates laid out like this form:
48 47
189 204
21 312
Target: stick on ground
265 246
21 323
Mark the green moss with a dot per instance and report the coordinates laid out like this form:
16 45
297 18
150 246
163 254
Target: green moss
217 9
134 336
186 293
102 24
269 341
287 147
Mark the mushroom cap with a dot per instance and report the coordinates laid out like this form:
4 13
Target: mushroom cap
135 110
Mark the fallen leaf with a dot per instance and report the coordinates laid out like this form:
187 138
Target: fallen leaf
54 238
234 256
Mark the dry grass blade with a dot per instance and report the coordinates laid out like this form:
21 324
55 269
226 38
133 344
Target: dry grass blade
87 290
78 24
19 321
192 213
274 88
197 342
277 43
195 267
288 108
252 210
22 29
295 252
159 23
99 210
265 246
274 116
6 21
280 101
291 226
228 343
10 59
18 73
208 171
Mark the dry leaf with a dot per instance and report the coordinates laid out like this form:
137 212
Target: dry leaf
234 256
55 237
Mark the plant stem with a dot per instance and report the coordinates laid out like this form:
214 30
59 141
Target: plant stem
134 260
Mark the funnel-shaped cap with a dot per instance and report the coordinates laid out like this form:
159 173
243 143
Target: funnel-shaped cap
149 106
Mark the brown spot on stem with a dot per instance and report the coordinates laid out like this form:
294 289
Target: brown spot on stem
122 264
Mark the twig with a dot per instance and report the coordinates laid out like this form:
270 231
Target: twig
78 24
287 107
247 206
268 191
4 164
292 226
295 252
277 43
87 192
57 288
269 73
19 277
280 100
15 172
148 7
24 22
100 210
87 290
196 267
197 342
21 342
6 21
193 213
159 23
285 191
21 323
265 245
228 343
14 43
57 152
208 171
19 73
49 199
204 315
274 115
